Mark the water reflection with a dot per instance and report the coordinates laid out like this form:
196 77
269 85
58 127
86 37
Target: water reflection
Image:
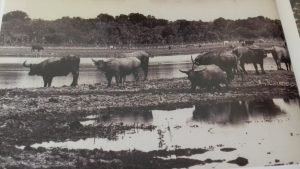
226 113
126 117
235 112
199 127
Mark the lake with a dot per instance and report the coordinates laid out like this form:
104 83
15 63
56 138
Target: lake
14 75
260 130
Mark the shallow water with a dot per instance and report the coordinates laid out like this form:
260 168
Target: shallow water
254 128
13 74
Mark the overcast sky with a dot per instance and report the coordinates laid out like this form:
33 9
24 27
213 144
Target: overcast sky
205 10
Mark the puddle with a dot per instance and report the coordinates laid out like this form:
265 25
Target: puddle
259 130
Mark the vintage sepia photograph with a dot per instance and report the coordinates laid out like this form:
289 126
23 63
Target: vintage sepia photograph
146 84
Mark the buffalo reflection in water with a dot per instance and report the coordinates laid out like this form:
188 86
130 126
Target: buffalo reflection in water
127 117
236 112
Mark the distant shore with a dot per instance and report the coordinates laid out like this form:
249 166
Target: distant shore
25 51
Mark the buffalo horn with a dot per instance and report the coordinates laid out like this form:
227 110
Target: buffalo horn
192 62
26 65
94 61
183 71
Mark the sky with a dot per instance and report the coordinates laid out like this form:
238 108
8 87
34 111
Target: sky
205 10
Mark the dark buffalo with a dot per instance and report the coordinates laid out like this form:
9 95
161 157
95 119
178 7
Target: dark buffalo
207 76
52 67
280 54
226 60
251 55
249 42
118 68
37 48
143 57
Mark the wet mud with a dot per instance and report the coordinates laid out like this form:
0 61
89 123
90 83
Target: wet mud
36 115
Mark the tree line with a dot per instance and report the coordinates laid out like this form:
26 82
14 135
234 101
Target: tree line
132 29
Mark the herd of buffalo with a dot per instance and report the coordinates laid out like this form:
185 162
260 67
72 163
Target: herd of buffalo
210 69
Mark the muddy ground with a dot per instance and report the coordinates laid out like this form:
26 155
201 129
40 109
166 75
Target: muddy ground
36 115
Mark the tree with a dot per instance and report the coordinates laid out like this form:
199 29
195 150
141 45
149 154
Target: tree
136 18
16 15
105 18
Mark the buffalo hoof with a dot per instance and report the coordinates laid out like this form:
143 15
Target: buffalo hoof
73 84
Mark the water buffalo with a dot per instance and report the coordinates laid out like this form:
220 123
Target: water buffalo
143 57
280 54
251 55
118 68
52 67
207 76
226 60
249 42
36 47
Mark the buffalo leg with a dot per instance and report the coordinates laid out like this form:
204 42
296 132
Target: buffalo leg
50 81
109 78
136 75
144 65
145 72
75 78
123 79
287 66
45 81
230 75
243 68
262 67
279 64
256 69
118 77
193 87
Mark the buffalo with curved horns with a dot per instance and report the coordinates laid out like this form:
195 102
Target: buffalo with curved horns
226 60
52 67
143 57
118 68
207 76
280 54
251 55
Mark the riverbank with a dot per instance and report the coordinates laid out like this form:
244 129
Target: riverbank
94 52
37 115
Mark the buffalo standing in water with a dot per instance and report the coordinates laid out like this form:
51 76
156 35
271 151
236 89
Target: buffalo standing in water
226 60
251 55
129 63
143 57
118 68
52 67
206 76
280 54
36 47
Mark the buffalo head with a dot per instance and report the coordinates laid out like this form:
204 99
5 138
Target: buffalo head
34 70
100 64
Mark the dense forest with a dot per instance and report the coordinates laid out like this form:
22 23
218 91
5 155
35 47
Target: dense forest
132 29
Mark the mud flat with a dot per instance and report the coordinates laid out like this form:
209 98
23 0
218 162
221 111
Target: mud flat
81 127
